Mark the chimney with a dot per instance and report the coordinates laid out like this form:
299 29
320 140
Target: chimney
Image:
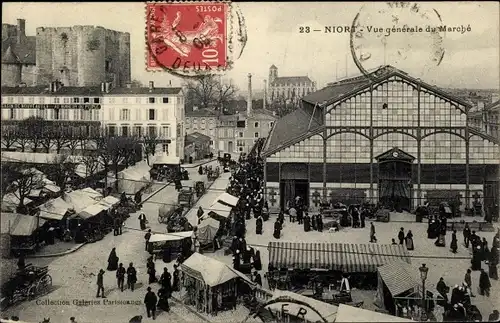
170 83
107 86
103 87
265 95
151 86
21 30
249 99
128 85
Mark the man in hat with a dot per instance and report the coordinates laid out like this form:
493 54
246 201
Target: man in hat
100 284
484 283
150 301
147 236
468 281
120 276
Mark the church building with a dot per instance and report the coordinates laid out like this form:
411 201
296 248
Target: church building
388 136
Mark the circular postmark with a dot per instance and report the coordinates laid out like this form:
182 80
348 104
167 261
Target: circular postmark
193 38
278 308
405 35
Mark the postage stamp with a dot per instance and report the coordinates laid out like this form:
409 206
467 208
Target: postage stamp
187 38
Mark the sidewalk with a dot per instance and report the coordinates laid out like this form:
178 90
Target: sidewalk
197 163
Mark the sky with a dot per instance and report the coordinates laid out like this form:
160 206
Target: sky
471 59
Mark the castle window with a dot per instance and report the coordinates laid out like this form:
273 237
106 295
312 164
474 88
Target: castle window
151 100
108 65
165 100
96 100
86 100
76 100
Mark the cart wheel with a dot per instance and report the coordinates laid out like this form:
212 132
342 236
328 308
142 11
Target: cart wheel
44 285
31 292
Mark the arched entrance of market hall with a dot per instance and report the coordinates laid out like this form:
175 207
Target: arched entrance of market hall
394 179
294 181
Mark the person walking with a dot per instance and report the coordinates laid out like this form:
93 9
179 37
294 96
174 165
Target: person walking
467 234
468 281
100 284
401 235
112 260
131 276
454 242
150 300
142 221
147 236
373 239
484 283
120 276
409 240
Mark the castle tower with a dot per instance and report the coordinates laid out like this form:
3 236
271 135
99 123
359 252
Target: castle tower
273 74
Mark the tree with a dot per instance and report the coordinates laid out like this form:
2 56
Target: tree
34 129
60 137
150 142
208 91
23 138
104 155
9 175
61 169
27 180
91 162
9 137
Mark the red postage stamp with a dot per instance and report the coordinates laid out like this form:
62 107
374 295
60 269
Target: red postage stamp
187 38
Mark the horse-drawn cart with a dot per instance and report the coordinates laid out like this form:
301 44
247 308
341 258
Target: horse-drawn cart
200 188
186 194
26 283
166 211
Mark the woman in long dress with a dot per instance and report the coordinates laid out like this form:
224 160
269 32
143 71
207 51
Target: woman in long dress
113 260
409 240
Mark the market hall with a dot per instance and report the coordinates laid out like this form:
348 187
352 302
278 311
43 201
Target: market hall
384 138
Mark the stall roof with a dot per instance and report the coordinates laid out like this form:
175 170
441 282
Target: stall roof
396 276
109 201
334 256
220 210
20 224
91 211
167 160
209 222
228 199
93 194
187 183
54 209
348 313
327 311
78 200
211 271
159 237
11 201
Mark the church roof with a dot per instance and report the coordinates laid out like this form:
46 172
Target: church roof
290 80
273 66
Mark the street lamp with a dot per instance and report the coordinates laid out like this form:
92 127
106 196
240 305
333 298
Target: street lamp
423 276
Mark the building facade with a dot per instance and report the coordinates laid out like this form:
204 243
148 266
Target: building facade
487 119
123 111
226 133
251 127
289 89
387 137
76 56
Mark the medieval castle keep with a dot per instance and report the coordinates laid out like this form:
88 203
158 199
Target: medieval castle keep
76 56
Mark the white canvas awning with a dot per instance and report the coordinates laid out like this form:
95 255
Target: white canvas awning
220 210
54 209
93 194
78 200
11 201
348 313
19 224
109 201
91 211
228 199
167 160
160 237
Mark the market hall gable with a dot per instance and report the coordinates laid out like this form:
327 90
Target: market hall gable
380 137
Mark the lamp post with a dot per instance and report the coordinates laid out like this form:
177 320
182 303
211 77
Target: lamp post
423 275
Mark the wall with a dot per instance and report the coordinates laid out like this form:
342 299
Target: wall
77 55
11 74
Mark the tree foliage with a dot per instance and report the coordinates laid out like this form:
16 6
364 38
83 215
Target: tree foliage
208 91
27 179
61 169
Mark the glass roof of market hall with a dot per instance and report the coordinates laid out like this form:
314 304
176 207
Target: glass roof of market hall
308 119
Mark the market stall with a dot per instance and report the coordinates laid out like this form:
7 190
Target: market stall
22 231
346 313
220 212
227 199
398 289
205 277
92 193
207 231
168 246
10 202
305 260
